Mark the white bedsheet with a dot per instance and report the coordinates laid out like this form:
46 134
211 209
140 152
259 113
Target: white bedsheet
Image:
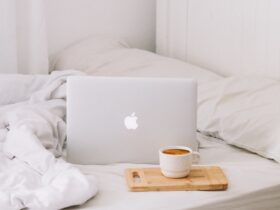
32 132
254 184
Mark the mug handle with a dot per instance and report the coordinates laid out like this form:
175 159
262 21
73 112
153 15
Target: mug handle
195 157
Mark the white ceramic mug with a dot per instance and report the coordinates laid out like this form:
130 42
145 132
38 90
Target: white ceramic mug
177 165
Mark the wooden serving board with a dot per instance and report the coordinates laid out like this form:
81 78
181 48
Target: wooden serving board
200 178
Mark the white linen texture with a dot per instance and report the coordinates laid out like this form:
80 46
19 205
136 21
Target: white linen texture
32 133
242 111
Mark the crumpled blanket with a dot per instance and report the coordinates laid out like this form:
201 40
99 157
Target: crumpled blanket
32 133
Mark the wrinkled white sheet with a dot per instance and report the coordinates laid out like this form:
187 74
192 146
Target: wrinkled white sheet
32 133
254 184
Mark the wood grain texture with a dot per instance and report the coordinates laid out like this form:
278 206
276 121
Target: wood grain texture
200 178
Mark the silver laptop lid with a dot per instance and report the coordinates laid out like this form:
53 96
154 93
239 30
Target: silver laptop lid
112 120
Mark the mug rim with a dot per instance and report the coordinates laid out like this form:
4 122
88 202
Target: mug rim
176 147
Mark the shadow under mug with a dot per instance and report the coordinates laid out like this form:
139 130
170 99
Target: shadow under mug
177 165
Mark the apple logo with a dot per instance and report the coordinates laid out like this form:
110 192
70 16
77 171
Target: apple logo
130 122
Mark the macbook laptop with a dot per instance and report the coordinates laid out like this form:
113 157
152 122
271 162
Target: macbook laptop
127 120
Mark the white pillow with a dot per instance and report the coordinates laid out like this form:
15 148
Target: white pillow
82 54
101 56
244 112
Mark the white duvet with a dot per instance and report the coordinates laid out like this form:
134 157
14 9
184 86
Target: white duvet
32 126
32 133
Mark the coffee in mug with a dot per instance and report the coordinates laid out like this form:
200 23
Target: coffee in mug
176 161
175 151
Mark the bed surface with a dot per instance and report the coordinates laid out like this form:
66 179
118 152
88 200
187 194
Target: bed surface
254 181
253 184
